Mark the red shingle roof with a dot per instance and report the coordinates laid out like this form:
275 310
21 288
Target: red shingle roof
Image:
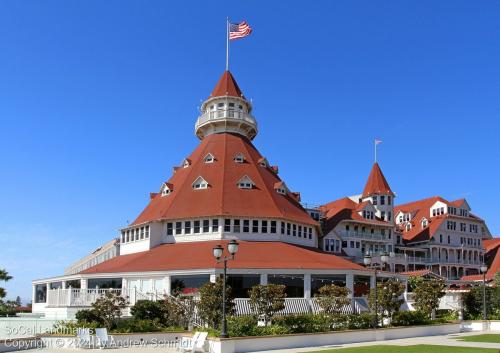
227 86
345 209
377 184
223 197
199 255
492 247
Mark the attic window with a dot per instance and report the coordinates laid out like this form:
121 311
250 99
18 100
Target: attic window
200 183
408 227
424 223
280 188
281 191
186 163
263 162
239 158
166 189
245 183
209 158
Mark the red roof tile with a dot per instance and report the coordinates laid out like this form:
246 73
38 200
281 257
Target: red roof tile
227 86
223 197
492 257
345 209
377 184
199 255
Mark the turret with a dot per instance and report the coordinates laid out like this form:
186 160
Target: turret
226 110
378 191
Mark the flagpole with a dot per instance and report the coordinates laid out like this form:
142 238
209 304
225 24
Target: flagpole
227 43
375 146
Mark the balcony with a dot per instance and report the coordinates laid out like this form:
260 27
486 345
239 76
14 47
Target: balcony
214 116
366 236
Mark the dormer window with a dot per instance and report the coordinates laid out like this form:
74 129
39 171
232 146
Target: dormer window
200 183
166 189
408 227
245 183
280 188
186 163
209 158
263 162
424 223
239 158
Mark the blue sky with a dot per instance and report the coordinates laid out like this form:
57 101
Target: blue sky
98 100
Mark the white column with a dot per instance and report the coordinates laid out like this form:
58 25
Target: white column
263 279
83 283
307 285
167 285
63 283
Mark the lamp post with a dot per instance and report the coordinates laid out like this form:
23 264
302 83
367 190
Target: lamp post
218 251
384 258
484 269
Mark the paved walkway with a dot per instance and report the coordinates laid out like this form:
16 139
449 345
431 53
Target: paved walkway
446 340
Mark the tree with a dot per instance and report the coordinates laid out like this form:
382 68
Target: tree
4 277
428 293
109 308
332 298
389 297
267 300
210 303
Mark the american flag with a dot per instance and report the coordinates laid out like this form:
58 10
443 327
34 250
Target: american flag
239 30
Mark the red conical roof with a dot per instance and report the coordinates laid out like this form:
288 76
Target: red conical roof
227 86
223 197
376 183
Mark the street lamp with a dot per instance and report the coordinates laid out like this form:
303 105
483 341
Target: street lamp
218 252
384 259
484 269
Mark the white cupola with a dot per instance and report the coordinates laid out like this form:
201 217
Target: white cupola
226 110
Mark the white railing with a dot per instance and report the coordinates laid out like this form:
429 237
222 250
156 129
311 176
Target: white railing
295 306
225 114
76 297
352 234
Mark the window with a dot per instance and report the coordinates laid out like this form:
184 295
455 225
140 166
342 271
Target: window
264 227
310 233
128 235
424 223
209 158
169 228
255 226
245 183
382 200
186 163
382 215
389 200
142 233
351 244
449 240
288 228
282 227
123 237
215 225
166 189
236 226
147 232
389 216
294 230
178 227
196 227
281 191
206 226
463 227
374 200
440 238
273 227
239 158
227 225
246 226
200 183
408 227
300 232
187 227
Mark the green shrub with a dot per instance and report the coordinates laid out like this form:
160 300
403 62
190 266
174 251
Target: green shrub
410 318
447 315
304 323
239 326
360 321
149 310
88 317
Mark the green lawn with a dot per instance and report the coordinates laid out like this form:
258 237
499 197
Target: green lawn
488 338
421 348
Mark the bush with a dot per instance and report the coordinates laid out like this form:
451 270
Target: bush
360 321
149 310
240 326
88 317
410 318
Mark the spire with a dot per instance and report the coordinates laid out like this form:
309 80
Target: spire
227 86
226 110
377 184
